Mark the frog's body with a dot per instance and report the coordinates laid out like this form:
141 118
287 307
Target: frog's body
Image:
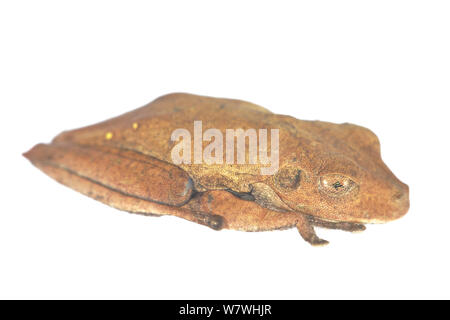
330 175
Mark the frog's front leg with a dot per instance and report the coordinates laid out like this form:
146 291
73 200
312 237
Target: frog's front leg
245 215
306 230
267 199
344 226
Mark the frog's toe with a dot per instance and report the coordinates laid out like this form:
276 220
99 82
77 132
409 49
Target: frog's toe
214 221
317 242
357 228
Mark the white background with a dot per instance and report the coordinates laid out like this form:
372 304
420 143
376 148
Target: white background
381 64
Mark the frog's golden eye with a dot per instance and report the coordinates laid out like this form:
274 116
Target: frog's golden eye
288 178
336 184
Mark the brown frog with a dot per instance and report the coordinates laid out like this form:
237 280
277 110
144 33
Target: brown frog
327 175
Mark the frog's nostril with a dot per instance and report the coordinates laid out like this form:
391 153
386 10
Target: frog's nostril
400 199
398 196
401 193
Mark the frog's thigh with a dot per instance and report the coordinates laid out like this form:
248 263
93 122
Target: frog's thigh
125 172
128 203
239 214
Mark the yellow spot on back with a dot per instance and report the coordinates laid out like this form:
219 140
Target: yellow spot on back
108 136
135 125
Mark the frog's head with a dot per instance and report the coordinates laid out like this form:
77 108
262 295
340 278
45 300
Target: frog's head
340 176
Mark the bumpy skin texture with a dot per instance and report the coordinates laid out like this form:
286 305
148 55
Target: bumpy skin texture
330 175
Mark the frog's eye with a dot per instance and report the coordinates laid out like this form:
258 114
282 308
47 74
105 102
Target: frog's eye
336 184
288 178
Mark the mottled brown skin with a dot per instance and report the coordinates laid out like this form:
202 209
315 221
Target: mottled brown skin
330 175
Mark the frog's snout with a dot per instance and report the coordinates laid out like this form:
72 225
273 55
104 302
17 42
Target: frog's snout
400 200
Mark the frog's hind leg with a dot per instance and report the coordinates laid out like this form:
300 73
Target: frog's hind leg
241 214
123 171
123 179
344 226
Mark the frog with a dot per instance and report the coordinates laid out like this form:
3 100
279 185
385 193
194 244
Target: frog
328 175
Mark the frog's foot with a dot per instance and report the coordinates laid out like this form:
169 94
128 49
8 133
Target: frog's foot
214 221
306 230
344 226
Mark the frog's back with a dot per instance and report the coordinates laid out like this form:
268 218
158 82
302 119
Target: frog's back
148 129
